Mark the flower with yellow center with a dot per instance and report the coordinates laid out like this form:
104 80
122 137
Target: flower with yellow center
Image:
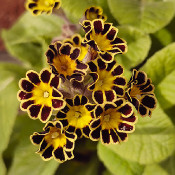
39 95
76 41
140 92
54 142
36 7
94 13
102 37
77 115
114 122
108 81
63 59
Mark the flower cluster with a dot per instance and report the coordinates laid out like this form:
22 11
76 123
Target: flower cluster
84 93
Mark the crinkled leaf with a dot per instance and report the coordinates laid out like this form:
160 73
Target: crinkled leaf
138 43
25 160
117 165
154 169
161 64
25 39
148 16
152 141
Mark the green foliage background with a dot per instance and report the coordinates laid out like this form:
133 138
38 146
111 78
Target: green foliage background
148 27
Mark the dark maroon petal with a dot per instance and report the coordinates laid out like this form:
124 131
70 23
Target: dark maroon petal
76 40
122 47
64 122
105 136
43 146
125 127
45 113
48 152
122 136
149 101
59 154
117 71
61 115
75 54
58 125
141 78
98 111
114 136
78 133
86 131
77 101
71 129
92 67
132 118
94 76
150 88
95 123
31 5
58 44
110 95
37 138
69 154
110 65
95 134
33 77
98 26
126 109
26 104
77 77
69 144
119 91
98 95
52 47
135 102
84 100
34 110
120 81
142 110
56 93
91 87
55 82
117 41
35 12
148 83
45 76
111 34
90 107
57 103
69 135
69 101
65 49
56 4
106 28
109 106
27 86
118 102
50 56
23 95
101 64
65 109
81 66
106 57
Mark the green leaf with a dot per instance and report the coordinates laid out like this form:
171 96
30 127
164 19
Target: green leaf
117 165
161 64
165 91
138 43
25 39
152 141
8 111
75 10
154 169
148 16
25 160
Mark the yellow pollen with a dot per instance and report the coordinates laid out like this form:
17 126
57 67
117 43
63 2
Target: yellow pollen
77 114
46 94
63 67
100 82
107 118
54 135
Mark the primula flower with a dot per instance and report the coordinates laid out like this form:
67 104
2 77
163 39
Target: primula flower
140 92
76 41
108 81
77 115
63 59
54 142
114 122
94 13
102 37
39 95
36 7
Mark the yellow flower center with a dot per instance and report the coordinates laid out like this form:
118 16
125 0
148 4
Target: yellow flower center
102 42
110 119
64 65
105 81
45 4
55 137
78 116
135 92
42 94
